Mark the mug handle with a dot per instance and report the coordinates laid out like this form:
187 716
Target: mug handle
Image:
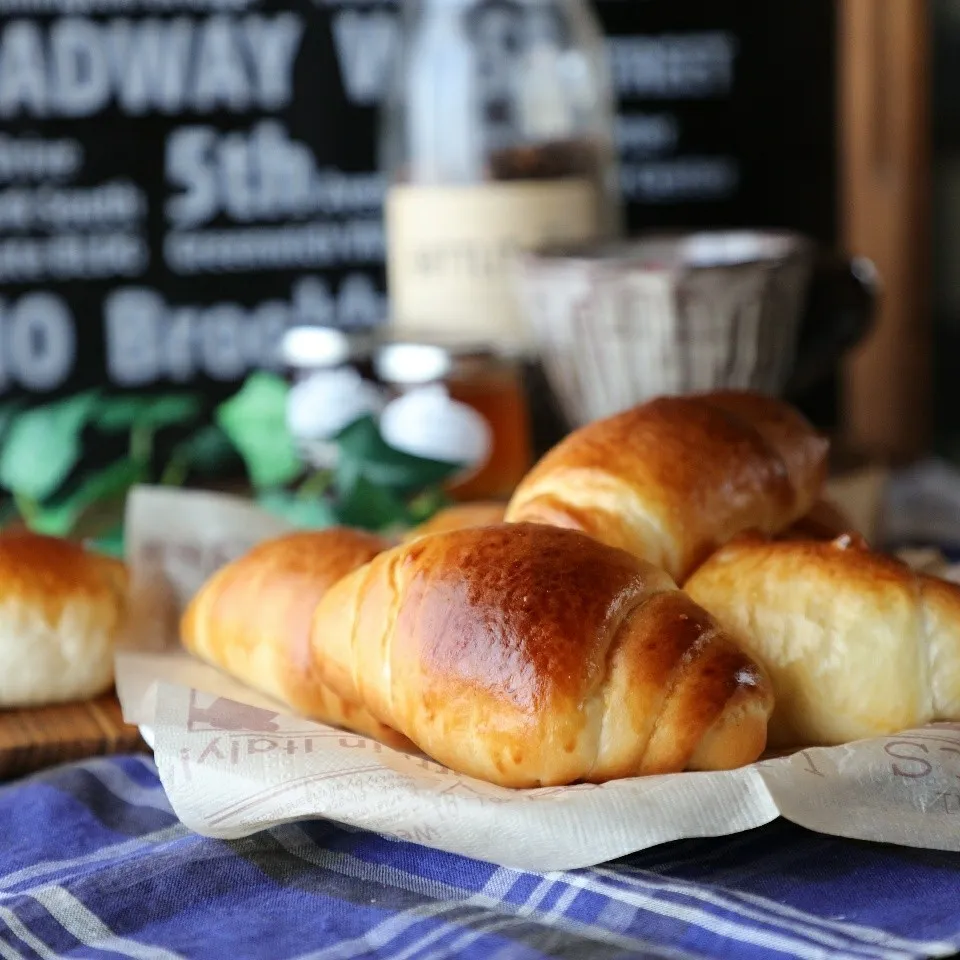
839 313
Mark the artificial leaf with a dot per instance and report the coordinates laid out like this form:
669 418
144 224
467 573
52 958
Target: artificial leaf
8 414
426 504
255 421
316 485
308 513
43 446
208 449
110 543
171 410
363 450
204 452
346 474
59 517
118 413
8 512
370 507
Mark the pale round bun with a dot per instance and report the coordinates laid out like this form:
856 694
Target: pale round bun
61 609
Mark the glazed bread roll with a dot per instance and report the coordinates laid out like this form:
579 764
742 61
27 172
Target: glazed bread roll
61 610
530 655
252 620
856 644
674 478
459 517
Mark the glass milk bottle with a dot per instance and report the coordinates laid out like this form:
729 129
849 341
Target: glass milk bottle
497 136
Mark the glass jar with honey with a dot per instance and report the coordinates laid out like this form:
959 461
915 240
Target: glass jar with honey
495 441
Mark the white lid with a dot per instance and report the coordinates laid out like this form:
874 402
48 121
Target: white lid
410 364
314 347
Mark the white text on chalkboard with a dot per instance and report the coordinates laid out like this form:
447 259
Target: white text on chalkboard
74 67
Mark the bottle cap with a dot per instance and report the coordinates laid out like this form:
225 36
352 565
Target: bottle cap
314 348
412 364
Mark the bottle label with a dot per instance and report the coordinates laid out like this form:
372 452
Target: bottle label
451 252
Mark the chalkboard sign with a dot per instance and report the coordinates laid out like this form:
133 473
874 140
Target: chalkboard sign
726 112
179 179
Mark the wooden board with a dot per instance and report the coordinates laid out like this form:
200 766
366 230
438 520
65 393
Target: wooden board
33 739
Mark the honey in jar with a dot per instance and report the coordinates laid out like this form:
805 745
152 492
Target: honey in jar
489 384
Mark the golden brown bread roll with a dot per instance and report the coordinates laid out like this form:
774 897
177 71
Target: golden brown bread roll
459 517
252 620
857 644
61 609
674 478
529 655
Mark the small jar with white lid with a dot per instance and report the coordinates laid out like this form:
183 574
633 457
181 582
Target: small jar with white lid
328 391
457 403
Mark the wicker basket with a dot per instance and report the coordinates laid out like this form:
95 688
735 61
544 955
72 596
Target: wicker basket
665 315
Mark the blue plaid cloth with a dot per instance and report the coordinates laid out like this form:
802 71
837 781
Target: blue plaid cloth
95 864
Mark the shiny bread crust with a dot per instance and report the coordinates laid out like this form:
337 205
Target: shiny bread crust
673 479
530 655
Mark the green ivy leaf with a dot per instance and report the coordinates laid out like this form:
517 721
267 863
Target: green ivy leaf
305 513
426 504
119 413
111 543
59 517
371 507
8 512
43 446
8 414
364 452
208 449
255 420
204 452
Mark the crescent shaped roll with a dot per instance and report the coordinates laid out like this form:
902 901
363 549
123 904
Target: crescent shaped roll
857 644
251 619
673 479
530 655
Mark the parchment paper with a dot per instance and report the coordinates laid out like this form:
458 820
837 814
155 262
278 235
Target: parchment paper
233 762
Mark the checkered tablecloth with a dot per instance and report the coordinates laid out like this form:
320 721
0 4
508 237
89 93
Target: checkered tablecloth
95 864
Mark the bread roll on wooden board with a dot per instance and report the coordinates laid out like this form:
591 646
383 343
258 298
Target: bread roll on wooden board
673 479
252 620
857 644
61 610
529 655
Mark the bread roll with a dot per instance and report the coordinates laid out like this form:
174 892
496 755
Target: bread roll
857 644
252 620
459 517
529 655
61 609
674 478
